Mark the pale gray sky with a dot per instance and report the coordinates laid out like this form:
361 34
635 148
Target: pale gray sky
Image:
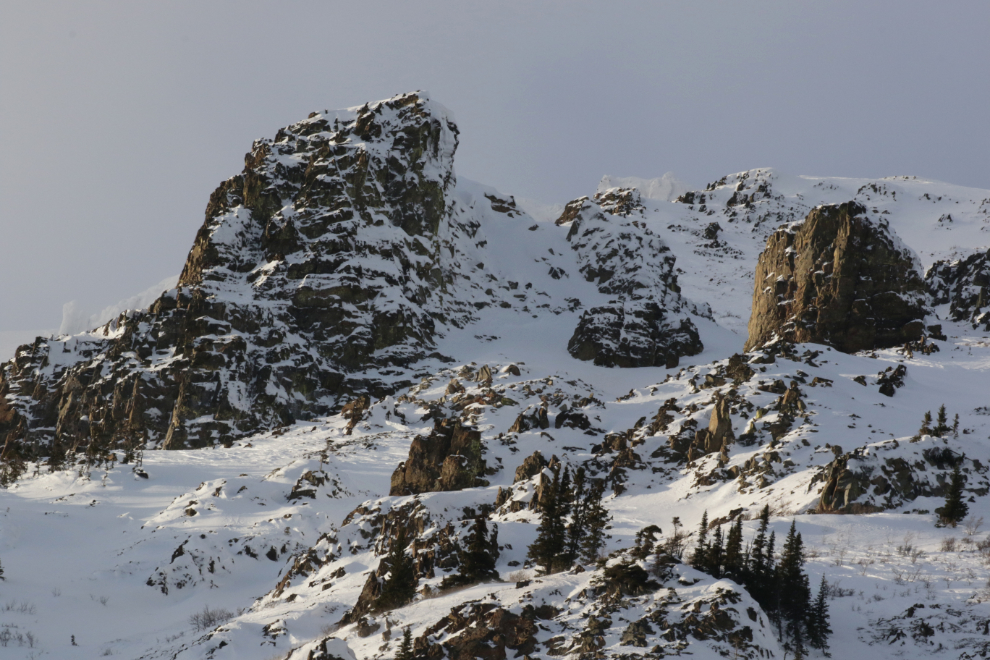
117 119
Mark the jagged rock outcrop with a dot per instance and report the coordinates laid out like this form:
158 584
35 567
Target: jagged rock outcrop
718 436
863 481
963 284
646 322
839 278
449 458
316 267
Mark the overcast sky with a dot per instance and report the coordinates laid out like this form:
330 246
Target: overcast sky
117 119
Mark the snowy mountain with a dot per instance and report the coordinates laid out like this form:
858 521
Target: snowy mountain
366 360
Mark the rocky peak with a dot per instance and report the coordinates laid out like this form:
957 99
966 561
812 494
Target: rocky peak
316 267
841 278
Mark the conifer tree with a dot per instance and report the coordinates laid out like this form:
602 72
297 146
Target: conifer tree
477 560
597 518
942 422
674 546
733 560
792 584
715 554
400 585
755 575
700 557
406 647
575 530
1 573
550 541
926 424
818 627
955 507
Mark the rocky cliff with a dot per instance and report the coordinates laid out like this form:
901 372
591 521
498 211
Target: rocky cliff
320 269
963 284
840 277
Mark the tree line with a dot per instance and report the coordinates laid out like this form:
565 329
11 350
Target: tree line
778 584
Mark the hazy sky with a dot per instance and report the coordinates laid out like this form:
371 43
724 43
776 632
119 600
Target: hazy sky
117 119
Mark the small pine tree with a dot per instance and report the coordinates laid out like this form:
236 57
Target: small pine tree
955 507
733 560
406 647
597 518
645 540
548 548
674 546
926 424
955 427
941 422
792 584
700 557
1 573
400 585
716 554
818 626
575 530
477 560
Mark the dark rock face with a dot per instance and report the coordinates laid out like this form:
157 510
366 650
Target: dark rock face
449 458
483 630
646 322
963 284
860 482
317 266
838 278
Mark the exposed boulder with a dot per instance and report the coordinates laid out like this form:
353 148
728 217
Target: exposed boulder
531 466
449 458
840 278
963 284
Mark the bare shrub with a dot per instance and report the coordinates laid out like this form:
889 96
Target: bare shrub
209 618
972 525
949 544
907 545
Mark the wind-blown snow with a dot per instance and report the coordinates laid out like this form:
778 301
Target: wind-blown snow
666 188
76 320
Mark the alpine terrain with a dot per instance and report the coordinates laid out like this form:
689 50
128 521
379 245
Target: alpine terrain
386 412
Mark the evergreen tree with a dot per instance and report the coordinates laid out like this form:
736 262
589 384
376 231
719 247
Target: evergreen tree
942 422
597 518
406 647
700 557
645 540
755 573
715 554
770 591
575 530
400 585
955 427
926 424
1 573
818 627
792 585
674 546
955 507
477 560
550 541
733 560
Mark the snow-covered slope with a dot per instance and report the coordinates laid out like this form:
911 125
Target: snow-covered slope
272 534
